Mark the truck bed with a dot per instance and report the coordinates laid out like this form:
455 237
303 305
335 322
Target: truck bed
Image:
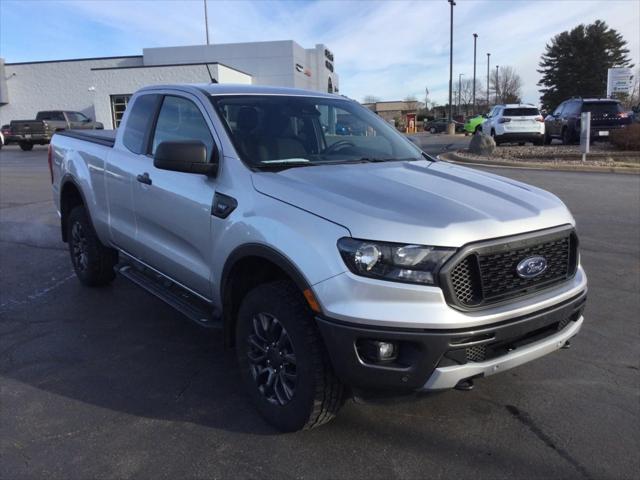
101 137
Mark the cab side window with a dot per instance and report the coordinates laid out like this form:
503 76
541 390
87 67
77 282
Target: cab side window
180 119
135 136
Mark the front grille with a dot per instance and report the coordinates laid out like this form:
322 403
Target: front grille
486 273
477 353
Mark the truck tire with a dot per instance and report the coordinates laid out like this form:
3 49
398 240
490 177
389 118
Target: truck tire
283 360
91 260
26 146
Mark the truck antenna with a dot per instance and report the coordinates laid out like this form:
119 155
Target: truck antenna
213 80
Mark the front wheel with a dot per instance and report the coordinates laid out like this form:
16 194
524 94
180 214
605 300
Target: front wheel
566 137
283 361
26 146
92 261
547 139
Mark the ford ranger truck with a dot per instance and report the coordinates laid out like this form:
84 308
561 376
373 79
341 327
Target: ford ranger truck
336 263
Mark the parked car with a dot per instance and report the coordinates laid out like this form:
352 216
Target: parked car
334 264
564 122
439 125
5 135
474 124
28 133
515 123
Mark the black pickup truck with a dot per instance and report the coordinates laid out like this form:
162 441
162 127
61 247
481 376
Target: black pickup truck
28 133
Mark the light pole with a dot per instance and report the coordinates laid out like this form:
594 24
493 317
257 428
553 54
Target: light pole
206 21
475 38
450 126
488 84
459 90
497 83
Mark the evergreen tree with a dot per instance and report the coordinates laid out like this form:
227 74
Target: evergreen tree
575 63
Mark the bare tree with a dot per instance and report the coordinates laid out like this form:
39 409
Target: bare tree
370 99
509 85
466 95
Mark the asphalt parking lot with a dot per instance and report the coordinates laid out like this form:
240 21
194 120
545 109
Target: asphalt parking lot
112 383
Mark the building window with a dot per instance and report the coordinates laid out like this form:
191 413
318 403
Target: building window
118 106
330 86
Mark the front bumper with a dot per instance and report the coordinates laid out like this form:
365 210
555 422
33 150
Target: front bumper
435 359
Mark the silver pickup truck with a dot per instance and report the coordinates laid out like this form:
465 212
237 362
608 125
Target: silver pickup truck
336 261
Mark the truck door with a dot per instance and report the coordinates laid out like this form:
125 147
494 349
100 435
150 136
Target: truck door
124 163
173 209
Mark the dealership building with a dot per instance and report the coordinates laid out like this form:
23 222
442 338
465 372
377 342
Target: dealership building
101 87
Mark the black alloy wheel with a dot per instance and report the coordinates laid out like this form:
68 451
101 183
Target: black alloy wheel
272 359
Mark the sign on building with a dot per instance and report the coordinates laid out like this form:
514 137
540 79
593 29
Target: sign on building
619 80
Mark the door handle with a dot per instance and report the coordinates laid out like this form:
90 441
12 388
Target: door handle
144 178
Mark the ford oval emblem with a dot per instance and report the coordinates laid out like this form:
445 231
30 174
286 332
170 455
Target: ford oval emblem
531 267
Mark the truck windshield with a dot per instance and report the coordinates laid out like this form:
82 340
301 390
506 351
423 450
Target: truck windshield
289 131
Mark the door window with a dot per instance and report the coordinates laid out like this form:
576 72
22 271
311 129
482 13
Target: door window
558 110
180 119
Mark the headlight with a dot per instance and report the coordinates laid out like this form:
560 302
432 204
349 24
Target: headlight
393 261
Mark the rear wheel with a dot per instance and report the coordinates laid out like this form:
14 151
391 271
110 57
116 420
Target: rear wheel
92 261
26 146
283 360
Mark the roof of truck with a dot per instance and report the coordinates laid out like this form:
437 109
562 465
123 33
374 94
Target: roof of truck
239 89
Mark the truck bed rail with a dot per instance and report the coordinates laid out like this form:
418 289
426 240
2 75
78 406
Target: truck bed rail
101 137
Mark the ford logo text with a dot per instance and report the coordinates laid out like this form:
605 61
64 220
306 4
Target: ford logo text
531 267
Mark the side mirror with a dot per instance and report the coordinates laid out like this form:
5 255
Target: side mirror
188 156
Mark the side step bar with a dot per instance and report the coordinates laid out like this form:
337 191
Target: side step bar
182 300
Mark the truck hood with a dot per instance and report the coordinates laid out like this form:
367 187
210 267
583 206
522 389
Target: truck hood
421 202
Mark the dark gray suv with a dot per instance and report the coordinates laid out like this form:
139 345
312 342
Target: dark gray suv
564 122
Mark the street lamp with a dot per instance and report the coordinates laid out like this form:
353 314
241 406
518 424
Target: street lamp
459 90
497 83
206 21
475 38
450 127
488 84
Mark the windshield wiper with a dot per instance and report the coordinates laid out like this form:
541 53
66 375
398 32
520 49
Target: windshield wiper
392 159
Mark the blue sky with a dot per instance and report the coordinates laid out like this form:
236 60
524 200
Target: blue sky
389 49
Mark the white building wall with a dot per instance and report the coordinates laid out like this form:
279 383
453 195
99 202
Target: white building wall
87 86
53 86
81 85
125 81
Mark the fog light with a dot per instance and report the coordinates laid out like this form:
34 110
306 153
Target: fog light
386 350
377 351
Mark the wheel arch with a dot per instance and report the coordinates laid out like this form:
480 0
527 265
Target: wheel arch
246 267
71 196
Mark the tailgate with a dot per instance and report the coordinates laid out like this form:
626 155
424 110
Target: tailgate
27 127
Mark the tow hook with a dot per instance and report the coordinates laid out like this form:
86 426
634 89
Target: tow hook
465 385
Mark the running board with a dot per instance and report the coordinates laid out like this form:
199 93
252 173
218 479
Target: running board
179 298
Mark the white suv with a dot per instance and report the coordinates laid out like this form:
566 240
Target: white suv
515 123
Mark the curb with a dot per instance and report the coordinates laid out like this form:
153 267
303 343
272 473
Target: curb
455 158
